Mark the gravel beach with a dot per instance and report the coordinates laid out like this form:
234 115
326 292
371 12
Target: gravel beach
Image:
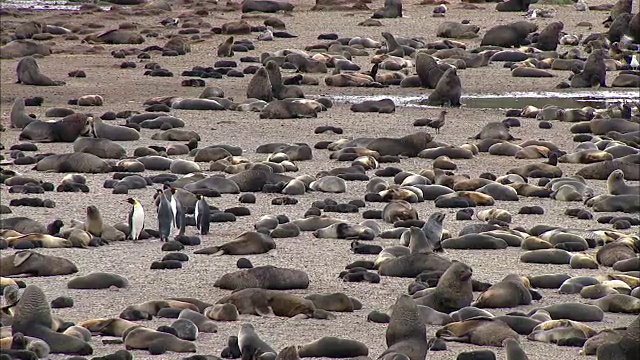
322 259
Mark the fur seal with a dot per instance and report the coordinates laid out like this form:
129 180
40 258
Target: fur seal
619 303
249 242
19 117
112 132
108 326
259 86
145 339
626 347
265 277
67 129
398 210
29 74
98 280
35 264
454 290
448 90
509 35
251 345
549 37
406 335
264 302
594 72
33 318
617 186
333 347
511 291
479 331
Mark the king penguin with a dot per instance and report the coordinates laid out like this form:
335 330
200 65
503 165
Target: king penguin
165 217
179 220
202 215
136 219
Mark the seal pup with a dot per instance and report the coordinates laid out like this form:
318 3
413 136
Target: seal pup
617 186
406 335
202 215
135 219
29 74
225 49
165 216
251 345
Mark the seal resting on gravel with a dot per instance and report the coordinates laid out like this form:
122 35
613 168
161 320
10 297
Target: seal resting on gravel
29 74
495 130
265 277
35 264
448 90
74 162
511 291
263 302
291 109
334 347
142 338
32 317
509 35
481 331
103 130
601 171
624 349
409 145
22 48
67 129
249 242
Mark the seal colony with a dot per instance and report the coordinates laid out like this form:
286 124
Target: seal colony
329 232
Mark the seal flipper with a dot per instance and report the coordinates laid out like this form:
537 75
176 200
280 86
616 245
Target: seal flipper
61 343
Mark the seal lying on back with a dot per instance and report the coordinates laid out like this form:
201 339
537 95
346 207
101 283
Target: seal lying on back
29 74
406 334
